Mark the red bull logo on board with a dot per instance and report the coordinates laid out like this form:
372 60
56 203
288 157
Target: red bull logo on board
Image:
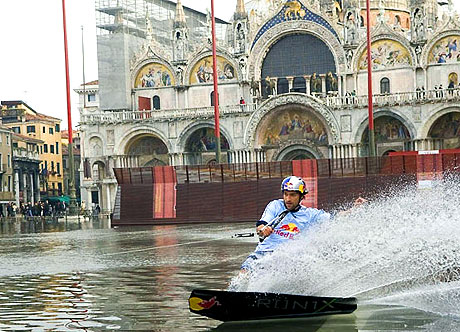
197 304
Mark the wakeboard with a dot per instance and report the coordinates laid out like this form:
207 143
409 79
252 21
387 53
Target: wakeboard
240 306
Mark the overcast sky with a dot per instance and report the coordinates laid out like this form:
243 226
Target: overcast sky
32 65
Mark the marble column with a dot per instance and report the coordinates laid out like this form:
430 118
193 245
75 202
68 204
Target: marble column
339 80
307 84
323 84
291 82
16 186
32 188
108 205
37 187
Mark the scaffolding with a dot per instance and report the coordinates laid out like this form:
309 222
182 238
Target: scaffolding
129 16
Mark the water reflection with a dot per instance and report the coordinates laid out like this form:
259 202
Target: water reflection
88 277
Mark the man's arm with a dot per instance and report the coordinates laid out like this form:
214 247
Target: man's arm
262 229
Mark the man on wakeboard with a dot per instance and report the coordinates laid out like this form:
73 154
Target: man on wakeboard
284 219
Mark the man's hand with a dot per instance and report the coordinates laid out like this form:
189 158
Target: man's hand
264 231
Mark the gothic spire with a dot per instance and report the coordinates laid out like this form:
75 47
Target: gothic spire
240 11
179 19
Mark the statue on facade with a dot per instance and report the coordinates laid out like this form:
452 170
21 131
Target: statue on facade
269 87
351 30
418 26
316 84
254 89
179 46
332 84
242 65
349 55
180 73
240 39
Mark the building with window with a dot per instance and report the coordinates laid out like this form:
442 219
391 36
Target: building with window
301 66
26 164
24 120
6 169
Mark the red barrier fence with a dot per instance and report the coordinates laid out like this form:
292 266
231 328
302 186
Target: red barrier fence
239 192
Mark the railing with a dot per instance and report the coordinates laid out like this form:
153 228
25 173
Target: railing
164 114
335 102
21 153
401 98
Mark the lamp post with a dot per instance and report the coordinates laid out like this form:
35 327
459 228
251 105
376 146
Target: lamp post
369 84
73 201
216 92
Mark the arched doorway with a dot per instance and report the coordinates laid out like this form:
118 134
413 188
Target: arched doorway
150 150
296 153
390 134
447 130
200 146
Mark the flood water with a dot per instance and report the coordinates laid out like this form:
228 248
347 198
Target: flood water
89 277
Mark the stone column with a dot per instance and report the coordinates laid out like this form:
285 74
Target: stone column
426 80
16 186
37 186
323 84
186 98
291 82
339 81
177 97
108 206
307 84
355 82
32 188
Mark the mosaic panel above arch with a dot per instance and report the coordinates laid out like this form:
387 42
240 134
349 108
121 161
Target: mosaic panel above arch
150 150
387 129
154 75
446 50
386 53
447 127
203 139
288 124
202 71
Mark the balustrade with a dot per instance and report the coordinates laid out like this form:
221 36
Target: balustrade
333 101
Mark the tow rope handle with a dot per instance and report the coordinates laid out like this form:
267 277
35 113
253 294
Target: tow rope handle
273 223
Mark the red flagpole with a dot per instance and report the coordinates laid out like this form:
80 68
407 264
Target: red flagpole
369 83
71 185
67 77
216 93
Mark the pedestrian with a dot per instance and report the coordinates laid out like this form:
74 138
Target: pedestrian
295 219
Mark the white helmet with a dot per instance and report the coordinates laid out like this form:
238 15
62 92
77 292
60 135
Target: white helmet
294 183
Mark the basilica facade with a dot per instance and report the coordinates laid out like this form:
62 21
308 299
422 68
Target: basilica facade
292 84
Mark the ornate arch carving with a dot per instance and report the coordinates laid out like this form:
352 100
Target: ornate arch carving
263 45
321 110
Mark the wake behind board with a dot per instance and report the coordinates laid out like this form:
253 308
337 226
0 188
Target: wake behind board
238 306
